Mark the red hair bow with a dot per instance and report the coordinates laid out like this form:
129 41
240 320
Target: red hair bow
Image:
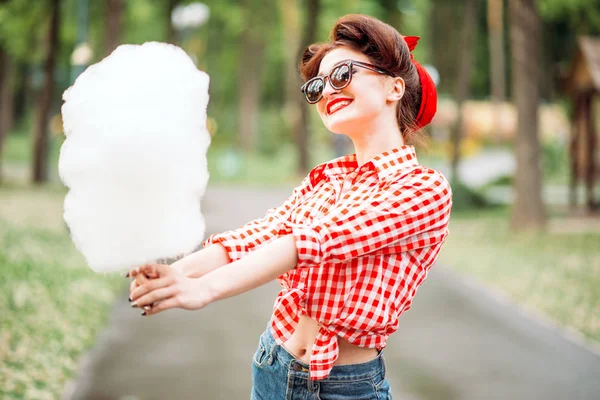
428 91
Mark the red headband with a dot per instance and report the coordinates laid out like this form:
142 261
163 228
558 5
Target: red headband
428 91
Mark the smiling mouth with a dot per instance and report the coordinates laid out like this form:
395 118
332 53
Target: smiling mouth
338 105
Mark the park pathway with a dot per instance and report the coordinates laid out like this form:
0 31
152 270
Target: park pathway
457 342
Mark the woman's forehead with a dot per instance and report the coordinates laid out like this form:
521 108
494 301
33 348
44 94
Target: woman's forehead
339 54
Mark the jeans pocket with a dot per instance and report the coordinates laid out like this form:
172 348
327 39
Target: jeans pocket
383 390
264 353
259 355
382 387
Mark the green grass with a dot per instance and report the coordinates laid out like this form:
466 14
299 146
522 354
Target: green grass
553 274
51 303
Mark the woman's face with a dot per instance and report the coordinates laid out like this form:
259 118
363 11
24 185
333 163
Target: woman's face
355 107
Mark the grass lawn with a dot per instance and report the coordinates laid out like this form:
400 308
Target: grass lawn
553 274
51 303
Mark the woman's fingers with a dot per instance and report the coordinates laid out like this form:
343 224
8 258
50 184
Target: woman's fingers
150 286
154 296
156 270
151 283
150 271
162 306
140 279
132 286
141 275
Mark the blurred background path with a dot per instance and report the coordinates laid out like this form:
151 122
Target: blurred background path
457 342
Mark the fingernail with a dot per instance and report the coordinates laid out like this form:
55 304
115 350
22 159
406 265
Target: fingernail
130 299
127 275
134 304
146 308
144 313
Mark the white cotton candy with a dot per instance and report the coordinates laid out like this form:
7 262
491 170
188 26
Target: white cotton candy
134 157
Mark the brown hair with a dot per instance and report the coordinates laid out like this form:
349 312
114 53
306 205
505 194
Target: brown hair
384 47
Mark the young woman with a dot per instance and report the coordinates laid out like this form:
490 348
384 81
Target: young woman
352 243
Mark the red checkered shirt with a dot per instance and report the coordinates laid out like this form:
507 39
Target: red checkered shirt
366 237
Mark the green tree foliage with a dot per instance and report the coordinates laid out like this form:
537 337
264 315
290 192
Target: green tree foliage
218 44
20 32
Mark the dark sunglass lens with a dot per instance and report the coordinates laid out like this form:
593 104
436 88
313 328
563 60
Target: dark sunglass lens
314 90
340 76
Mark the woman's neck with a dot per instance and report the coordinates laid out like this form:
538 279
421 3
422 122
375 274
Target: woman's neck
371 142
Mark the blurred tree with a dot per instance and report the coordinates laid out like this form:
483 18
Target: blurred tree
463 79
171 34
528 212
112 37
563 22
292 30
249 75
40 150
313 10
19 21
445 42
296 109
582 15
495 19
7 72
391 13
258 25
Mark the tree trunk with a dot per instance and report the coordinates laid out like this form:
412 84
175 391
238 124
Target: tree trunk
590 147
40 152
497 68
291 27
296 109
313 8
171 34
574 152
7 70
445 45
252 49
463 79
114 11
528 212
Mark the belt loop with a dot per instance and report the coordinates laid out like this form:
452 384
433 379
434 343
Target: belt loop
383 365
313 386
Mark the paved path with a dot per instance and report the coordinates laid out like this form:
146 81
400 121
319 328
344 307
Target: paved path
457 342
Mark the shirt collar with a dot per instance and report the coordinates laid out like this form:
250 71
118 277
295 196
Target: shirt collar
387 163
392 161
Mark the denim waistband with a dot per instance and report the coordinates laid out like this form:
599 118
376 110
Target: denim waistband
339 373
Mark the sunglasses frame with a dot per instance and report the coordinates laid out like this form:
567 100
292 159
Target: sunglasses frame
349 64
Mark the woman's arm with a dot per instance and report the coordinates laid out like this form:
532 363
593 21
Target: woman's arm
405 215
203 261
194 265
173 289
276 223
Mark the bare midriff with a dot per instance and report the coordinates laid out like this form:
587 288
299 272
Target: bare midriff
301 341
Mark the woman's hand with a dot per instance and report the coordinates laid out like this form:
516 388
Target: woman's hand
170 288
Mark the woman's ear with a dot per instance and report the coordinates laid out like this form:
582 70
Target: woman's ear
396 89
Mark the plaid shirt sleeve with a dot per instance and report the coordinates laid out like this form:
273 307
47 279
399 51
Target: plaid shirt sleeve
406 215
275 223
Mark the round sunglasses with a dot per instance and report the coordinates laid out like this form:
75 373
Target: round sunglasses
339 77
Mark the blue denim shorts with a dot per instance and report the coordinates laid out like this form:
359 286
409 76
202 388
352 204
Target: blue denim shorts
278 375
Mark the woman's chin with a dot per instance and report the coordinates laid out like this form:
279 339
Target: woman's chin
341 126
